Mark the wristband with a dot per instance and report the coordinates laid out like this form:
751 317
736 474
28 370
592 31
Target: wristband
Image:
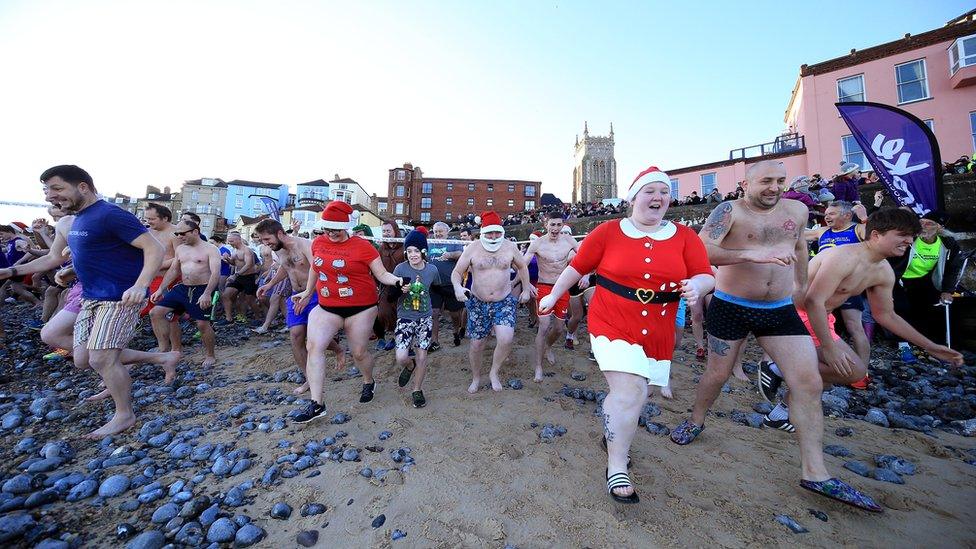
13 272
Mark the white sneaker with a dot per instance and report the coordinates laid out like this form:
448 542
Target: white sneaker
10 300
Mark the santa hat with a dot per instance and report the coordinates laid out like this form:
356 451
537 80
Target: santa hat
417 239
422 229
489 221
339 215
535 235
650 175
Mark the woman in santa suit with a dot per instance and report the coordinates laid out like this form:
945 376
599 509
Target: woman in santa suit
342 268
643 265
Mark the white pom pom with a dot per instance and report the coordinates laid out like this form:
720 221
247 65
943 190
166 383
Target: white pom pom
355 215
477 219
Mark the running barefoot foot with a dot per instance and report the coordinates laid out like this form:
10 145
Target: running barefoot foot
115 426
340 361
538 375
475 384
170 360
301 389
208 361
739 374
666 392
260 330
550 357
99 396
496 384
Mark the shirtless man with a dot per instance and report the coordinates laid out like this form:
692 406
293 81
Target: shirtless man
757 243
554 251
489 302
158 219
243 281
197 264
839 272
294 254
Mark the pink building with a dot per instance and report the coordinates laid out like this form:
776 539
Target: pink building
931 75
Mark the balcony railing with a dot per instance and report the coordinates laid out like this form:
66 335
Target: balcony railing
784 143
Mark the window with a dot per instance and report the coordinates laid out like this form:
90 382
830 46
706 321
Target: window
912 82
490 202
119 200
195 196
850 89
447 216
239 203
450 186
240 191
152 196
853 153
381 206
962 53
425 202
400 175
708 182
972 126
511 203
530 204
471 187
425 216
399 208
674 187
470 201
491 188
400 190
214 196
511 188
530 190
426 188
449 200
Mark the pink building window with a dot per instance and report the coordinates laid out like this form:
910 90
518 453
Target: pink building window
912 80
972 126
853 153
962 53
708 182
850 89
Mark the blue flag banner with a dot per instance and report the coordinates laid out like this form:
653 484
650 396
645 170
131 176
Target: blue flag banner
270 205
901 149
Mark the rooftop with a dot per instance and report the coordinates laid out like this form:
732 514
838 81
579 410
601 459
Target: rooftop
243 183
316 183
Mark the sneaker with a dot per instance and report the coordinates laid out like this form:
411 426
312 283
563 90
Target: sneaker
56 354
10 300
779 424
769 382
457 339
570 345
390 345
700 353
312 410
418 399
591 356
380 344
405 375
907 356
367 394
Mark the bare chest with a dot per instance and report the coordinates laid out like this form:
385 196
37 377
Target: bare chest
486 261
752 230
553 253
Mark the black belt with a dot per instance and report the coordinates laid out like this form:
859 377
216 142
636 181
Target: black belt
643 295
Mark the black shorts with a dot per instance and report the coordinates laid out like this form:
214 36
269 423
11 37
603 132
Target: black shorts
346 312
445 301
732 318
246 284
575 291
183 299
855 302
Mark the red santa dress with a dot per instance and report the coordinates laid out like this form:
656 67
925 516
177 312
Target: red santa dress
627 335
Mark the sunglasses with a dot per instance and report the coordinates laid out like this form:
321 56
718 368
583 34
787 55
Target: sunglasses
178 233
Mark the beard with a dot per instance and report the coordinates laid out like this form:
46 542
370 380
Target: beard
491 245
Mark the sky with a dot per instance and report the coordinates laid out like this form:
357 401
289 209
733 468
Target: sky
155 93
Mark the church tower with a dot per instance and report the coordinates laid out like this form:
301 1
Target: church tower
595 170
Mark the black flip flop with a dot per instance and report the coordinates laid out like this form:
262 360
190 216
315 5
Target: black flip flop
367 394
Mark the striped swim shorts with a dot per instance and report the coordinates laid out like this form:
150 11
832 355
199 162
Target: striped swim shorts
106 324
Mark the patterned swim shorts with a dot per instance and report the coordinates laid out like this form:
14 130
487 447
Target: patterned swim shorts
410 332
482 315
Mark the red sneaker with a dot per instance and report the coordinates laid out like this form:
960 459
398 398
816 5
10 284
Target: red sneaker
861 385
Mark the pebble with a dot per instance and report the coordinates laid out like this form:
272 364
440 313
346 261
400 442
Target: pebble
222 530
378 521
658 429
41 498
114 486
190 534
793 525
153 539
248 535
11 420
165 513
125 531
843 431
304 463
385 435
819 514
399 534
887 475
83 490
311 509
762 407
876 417
234 497
897 464
15 525
281 511
578 376
340 418
858 467
307 538
836 450
22 484
350 454
222 466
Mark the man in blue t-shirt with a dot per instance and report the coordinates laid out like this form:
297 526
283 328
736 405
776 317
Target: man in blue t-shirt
225 258
114 258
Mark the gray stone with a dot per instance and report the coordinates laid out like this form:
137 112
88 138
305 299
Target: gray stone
307 538
896 464
45 465
153 539
22 484
281 510
222 530
877 417
887 475
11 420
248 535
311 509
836 450
114 486
14 525
165 513
858 467
83 490
222 466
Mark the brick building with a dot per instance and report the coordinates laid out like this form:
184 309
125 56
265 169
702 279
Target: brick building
414 198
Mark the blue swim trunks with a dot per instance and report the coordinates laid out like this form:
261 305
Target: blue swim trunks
679 320
300 319
183 299
482 315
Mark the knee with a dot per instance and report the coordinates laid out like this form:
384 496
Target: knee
359 353
630 394
99 362
297 337
47 335
158 313
808 383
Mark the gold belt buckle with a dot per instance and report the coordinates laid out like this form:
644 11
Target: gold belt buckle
644 295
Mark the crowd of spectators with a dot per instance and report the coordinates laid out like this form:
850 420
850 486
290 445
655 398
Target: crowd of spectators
538 215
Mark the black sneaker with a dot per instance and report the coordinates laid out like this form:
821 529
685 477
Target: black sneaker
312 410
405 374
457 339
367 394
434 347
779 424
769 382
418 399
569 344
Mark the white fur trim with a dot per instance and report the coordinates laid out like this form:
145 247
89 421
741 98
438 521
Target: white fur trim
618 355
336 225
491 228
650 177
477 219
664 233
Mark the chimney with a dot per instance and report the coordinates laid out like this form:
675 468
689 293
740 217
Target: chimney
166 190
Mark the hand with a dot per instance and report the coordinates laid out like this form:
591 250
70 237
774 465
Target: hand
526 295
66 253
38 224
134 296
231 278
157 296
205 301
690 291
262 291
533 291
546 304
878 198
584 282
946 354
946 297
295 225
840 361
461 294
784 259
860 210
301 300
64 276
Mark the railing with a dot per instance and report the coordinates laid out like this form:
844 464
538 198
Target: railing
784 143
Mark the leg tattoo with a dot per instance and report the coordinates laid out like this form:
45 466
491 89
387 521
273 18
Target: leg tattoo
607 432
718 346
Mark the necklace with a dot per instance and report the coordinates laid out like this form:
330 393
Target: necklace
746 204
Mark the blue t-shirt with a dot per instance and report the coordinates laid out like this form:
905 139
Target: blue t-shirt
225 266
11 254
444 267
106 263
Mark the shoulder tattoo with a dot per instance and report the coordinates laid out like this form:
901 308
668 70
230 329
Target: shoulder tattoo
718 221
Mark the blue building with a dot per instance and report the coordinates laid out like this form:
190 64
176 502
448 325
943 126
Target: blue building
243 198
312 192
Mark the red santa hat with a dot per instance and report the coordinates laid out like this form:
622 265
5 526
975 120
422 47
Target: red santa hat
422 229
535 235
650 175
339 215
489 221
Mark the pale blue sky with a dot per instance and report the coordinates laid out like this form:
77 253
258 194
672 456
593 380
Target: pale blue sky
158 92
